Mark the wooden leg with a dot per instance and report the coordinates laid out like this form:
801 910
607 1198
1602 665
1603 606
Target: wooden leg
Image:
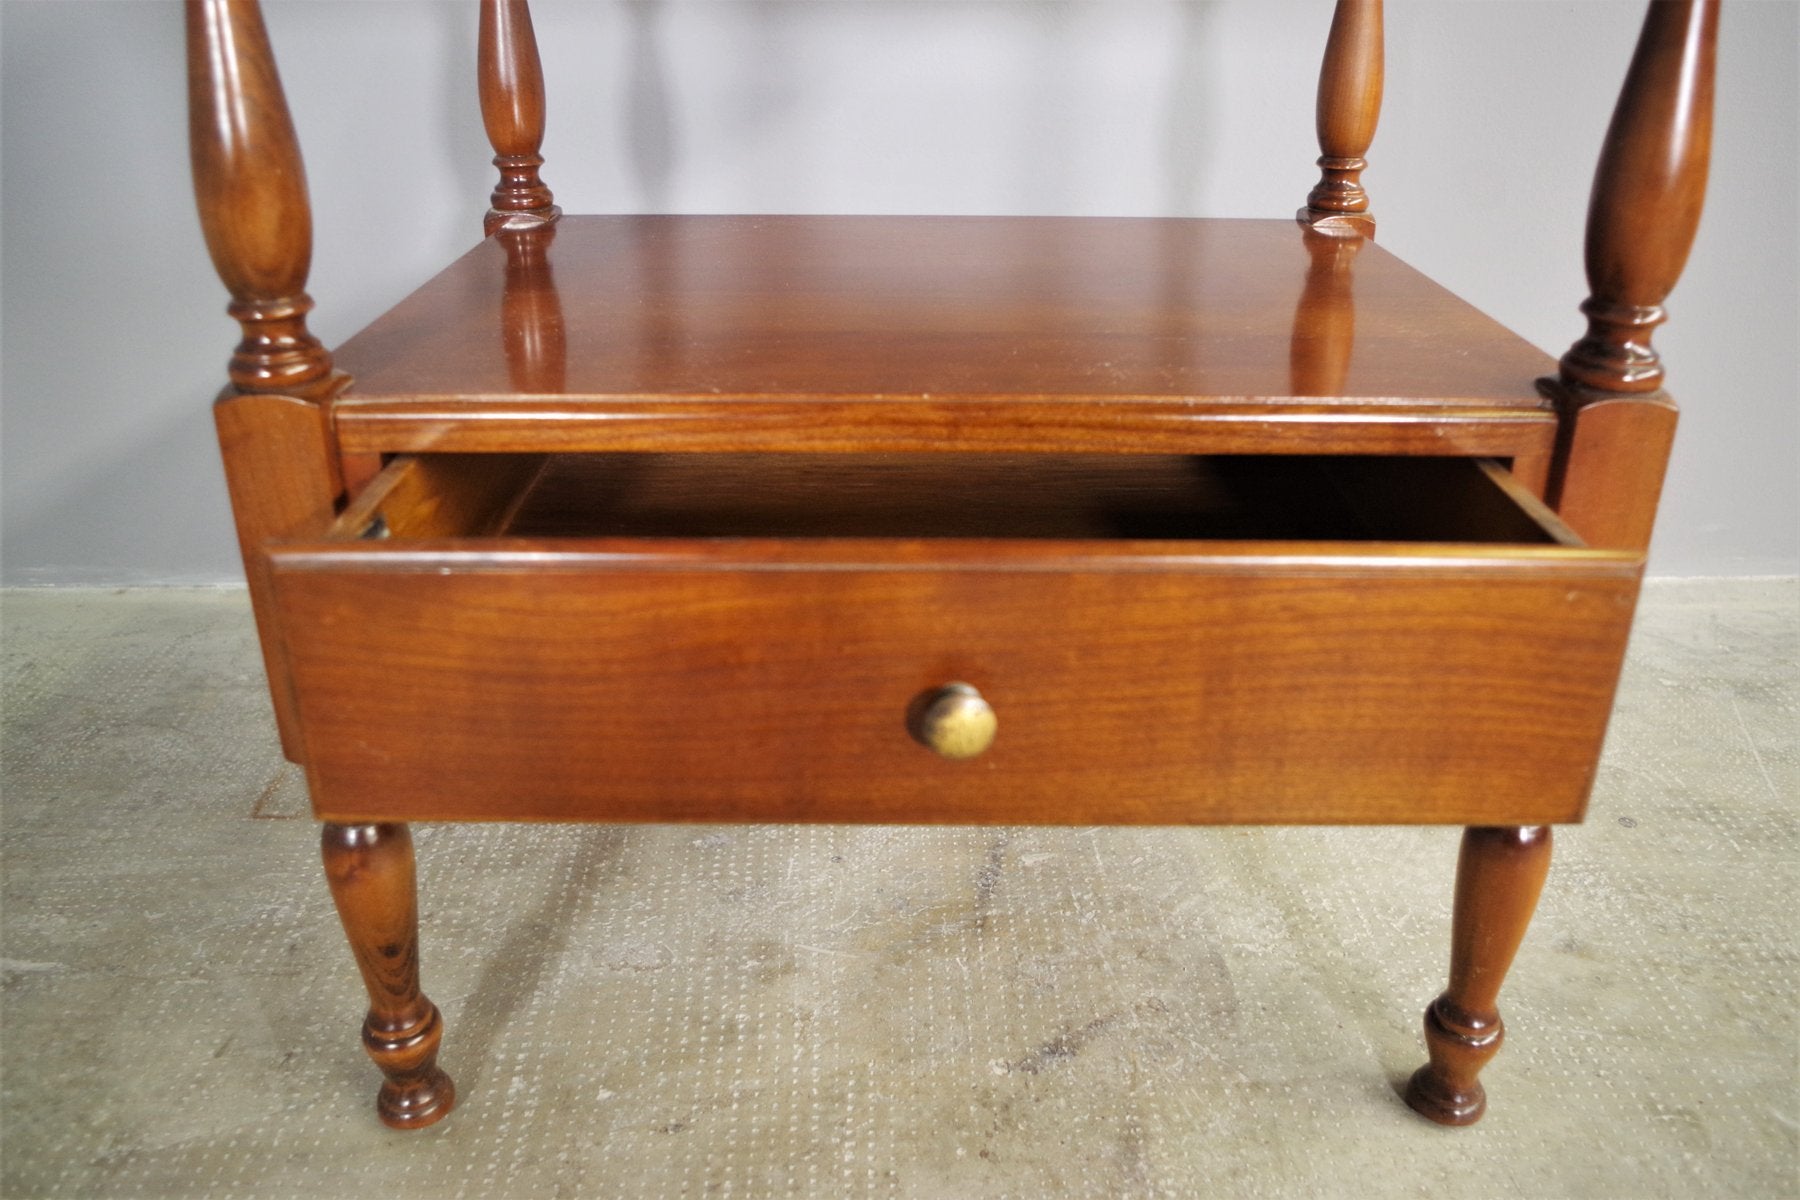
370 870
1498 877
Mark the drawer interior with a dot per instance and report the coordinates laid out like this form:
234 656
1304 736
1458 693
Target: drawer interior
927 496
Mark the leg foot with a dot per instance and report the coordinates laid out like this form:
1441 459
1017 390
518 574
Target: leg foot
415 1092
1498 878
370 870
1446 1089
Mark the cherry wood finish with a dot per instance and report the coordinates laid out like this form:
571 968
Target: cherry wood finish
620 683
370 871
675 669
1498 878
1349 106
1648 191
441 495
982 333
908 308
512 109
281 474
540 611
915 310
1324 337
533 332
1618 425
1039 425
1613 453
251 191
281 465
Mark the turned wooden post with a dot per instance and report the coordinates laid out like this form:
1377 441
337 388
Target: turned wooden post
370 870
1618 424
1348 107
251 191
281 461
1498 877
512 108
284 475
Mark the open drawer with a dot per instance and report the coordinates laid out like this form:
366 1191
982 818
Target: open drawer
1163 639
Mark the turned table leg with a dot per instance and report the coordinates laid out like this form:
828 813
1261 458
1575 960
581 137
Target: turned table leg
1498 877
370 870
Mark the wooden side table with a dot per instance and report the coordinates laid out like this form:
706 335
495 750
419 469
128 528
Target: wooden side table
939 519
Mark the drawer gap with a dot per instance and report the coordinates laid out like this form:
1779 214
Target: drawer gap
1091 497
932 496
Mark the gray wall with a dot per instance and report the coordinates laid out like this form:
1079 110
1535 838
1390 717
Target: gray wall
115 338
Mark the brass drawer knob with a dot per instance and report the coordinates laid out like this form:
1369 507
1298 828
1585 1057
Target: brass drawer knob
956 721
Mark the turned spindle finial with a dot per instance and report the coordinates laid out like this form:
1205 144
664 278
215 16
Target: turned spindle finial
251 190
1647 195
512 108
1349 106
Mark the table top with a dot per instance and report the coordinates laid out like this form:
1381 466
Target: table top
938 309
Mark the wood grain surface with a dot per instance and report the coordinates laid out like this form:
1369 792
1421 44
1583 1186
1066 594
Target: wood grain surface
1137 680
724 333
373 882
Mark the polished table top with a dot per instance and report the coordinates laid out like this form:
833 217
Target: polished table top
941 309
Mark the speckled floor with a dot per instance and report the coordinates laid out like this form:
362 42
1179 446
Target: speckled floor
831 1012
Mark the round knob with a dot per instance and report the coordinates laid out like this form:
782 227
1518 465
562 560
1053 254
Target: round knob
957 722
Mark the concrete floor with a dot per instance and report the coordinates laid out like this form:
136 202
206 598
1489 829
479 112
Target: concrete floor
832 1012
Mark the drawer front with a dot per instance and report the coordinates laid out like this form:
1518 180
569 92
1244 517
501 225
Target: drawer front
772 680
